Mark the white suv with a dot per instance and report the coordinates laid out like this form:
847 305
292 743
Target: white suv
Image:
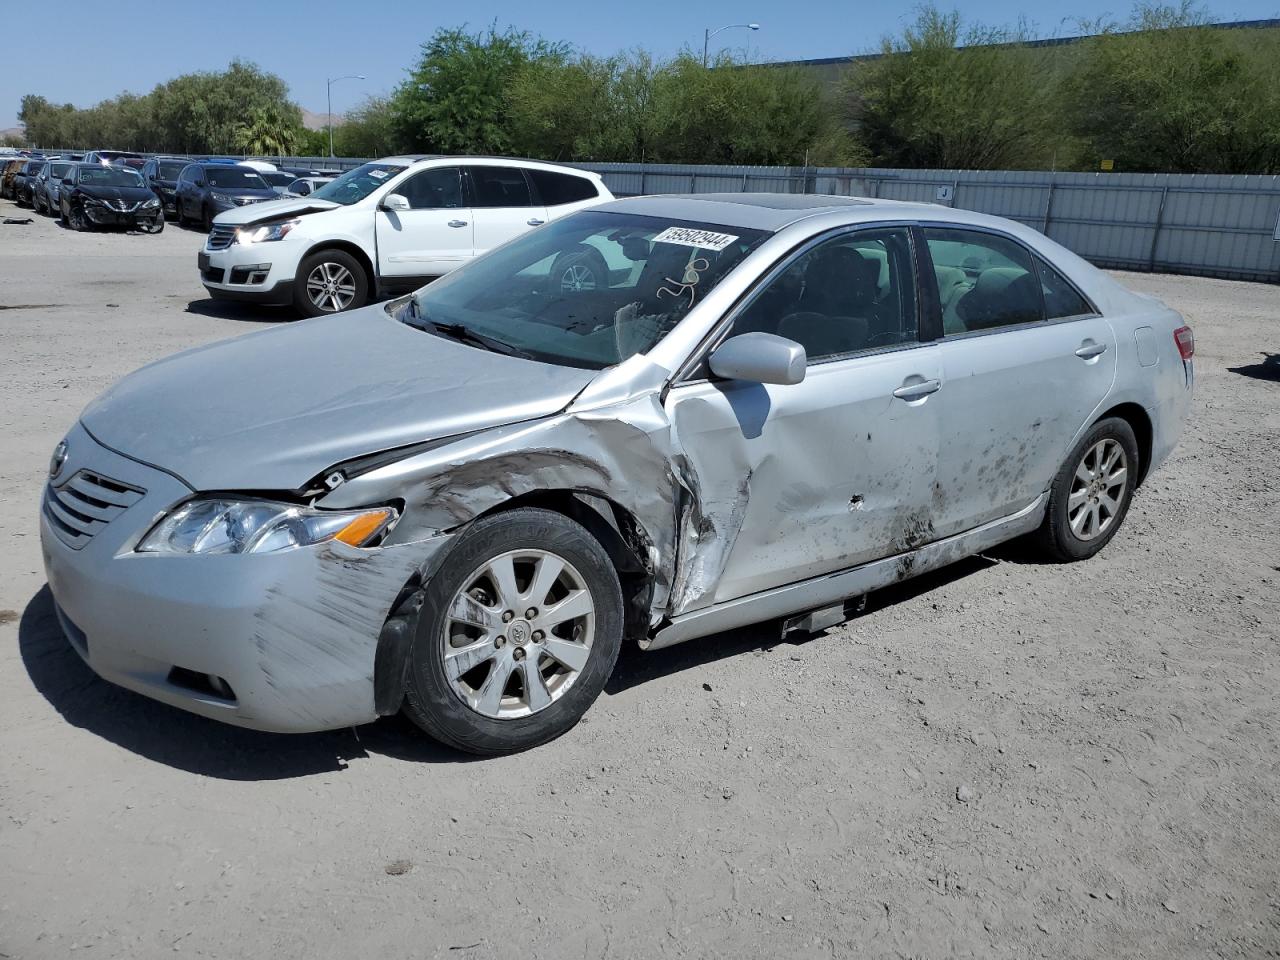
386 227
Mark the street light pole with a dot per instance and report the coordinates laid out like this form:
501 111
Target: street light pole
328 89
708 33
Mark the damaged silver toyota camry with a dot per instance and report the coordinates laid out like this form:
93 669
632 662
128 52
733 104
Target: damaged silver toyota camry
657 419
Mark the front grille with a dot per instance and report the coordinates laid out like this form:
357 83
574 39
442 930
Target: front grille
85 504
245 201
220 237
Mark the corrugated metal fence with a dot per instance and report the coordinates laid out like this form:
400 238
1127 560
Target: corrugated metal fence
1214 225
1209 225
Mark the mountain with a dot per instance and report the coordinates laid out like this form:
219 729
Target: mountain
318 121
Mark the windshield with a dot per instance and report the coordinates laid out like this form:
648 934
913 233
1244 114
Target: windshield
59 170
589 290
357 184
110 177
234 177
169 169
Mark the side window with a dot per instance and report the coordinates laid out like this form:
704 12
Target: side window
436 189
557 188
853 292
185 176
500 187
1060 297
984 280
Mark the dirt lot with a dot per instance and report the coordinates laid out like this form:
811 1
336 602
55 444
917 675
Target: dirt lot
1114 725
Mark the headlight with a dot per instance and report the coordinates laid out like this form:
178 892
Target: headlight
264 232
217 526
153 202
220 197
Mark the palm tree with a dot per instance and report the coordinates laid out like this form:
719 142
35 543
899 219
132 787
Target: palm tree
266 133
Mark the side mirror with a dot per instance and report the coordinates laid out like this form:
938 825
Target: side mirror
395 201
759 358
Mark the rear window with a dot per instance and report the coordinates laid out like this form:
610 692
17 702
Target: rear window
557 188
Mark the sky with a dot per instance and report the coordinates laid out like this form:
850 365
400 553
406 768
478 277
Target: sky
101 50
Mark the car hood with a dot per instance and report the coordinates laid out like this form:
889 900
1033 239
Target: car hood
127 194
275 409
272 209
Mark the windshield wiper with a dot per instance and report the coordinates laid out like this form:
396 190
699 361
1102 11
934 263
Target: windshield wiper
459 332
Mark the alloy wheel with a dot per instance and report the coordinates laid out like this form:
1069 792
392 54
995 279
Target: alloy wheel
518 634
576 278
1098 490
331 287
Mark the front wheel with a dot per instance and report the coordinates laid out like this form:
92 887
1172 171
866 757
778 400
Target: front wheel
519 632
154 225
76 219
579 271
330 281
1091 494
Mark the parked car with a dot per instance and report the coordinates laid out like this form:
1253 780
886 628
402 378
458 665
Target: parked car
461 502
102 195
8 174
161 174
206 189
48 183
387 226
278 182
305 186
110 156
24 181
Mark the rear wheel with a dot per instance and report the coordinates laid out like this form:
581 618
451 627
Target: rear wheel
519 632
330 281
1091 494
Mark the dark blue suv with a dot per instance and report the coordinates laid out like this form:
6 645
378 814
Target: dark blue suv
204 190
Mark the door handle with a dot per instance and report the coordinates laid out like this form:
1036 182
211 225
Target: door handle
457 223
1089 349
535 222
915 391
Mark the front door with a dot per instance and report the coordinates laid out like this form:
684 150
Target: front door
792 482
434 235
1025 364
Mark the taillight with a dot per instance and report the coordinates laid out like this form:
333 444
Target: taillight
1186 341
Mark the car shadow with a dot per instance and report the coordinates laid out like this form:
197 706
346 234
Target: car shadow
235 310
189 742
1268 369
636 667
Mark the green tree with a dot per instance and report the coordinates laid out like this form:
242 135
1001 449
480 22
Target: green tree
367 130
267 133
944 94
1166 92
455 99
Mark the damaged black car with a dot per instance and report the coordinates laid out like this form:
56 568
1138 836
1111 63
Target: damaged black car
93 195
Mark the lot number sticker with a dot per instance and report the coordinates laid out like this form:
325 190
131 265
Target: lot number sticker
702 239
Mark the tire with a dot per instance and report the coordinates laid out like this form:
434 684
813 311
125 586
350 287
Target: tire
449 701
155 225
335 271
1090 496
579 271
77 221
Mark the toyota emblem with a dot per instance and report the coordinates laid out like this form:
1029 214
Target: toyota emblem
57 460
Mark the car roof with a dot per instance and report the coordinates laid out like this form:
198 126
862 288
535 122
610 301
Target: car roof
774 211
411 158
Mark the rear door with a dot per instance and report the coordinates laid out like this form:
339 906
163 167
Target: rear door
434 235
1026 362
503 204
800 480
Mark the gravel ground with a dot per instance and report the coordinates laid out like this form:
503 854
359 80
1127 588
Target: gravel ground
1003 760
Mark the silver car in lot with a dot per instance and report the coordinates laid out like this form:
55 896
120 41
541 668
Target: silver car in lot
462 502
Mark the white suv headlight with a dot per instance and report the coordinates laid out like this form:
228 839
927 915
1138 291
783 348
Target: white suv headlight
265 231
218 526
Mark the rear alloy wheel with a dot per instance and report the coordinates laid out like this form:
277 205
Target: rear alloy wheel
1091 494
519 631
329 282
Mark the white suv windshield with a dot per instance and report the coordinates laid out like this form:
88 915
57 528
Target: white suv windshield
589 290
357 184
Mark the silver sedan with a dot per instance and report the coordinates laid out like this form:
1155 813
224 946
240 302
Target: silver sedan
655 420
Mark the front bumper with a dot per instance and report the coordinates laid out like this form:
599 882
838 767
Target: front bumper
254 272
105 217
282 642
